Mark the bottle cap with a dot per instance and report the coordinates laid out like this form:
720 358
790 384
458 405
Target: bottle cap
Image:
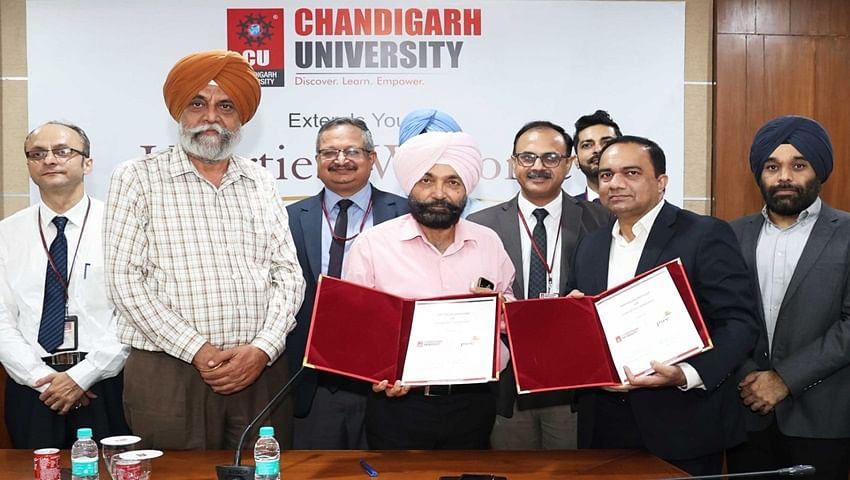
266 431
84 433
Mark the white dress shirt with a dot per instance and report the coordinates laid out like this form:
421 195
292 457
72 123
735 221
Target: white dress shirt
552 221
23 267
622 265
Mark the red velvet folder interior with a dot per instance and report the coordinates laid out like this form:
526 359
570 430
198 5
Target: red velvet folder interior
558 343
363 333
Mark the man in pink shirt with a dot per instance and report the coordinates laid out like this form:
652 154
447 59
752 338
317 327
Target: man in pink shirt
430 252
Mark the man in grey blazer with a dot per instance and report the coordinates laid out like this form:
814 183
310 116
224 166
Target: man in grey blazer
796 384
539 228
329 409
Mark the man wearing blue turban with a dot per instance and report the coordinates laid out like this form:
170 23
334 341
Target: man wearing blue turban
796 384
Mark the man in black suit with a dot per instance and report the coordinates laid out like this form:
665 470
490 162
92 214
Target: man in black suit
539 229
686 413
329 409
796 384
592 133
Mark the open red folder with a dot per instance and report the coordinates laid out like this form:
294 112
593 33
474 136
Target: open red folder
559 343
363 333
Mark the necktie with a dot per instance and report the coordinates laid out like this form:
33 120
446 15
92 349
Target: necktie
337 243
537 275
52 327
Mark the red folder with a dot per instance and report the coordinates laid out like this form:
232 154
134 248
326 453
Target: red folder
363 333
559 343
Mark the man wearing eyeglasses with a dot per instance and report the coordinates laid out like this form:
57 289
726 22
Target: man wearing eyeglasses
202 268
330 409
592 133
539 228
57 329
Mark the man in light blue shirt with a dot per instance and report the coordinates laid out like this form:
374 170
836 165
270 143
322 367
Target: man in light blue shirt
330 409
795 386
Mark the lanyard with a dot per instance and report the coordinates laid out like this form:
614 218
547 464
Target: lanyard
330 227
65 282
536 249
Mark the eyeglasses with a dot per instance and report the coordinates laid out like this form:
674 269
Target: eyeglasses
63 153
549 159
353 153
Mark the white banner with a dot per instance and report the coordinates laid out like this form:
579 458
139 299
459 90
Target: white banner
492 65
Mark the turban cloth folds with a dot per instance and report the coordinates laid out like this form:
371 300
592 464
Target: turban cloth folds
458 150
425 120
229 70
805 134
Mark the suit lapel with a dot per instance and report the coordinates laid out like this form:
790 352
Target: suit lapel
510 234
660 234
383 206
311 222
822 233
571 224
749 242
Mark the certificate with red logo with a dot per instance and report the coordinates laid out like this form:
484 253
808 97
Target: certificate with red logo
364 333
562 343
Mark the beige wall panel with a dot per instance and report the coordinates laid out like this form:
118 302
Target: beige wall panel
697 141
12 205
698 206
14 120
698 40
13 38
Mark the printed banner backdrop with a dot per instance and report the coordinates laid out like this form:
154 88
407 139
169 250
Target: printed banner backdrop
492 65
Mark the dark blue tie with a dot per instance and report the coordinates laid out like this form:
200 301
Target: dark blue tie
337 250
537 274
52 327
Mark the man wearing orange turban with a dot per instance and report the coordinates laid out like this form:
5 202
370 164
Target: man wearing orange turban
202 268
229 70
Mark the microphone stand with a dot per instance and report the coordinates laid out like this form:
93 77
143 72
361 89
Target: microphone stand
795 471
237 471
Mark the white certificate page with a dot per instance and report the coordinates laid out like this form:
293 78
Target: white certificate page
647 321
451 341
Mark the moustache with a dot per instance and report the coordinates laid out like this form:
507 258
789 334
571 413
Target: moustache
785 186
451 207
539 174
204 127
346 166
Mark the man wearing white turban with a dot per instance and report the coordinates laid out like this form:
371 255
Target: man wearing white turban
431 252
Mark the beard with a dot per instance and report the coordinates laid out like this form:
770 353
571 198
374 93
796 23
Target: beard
439 214
591 168
209 148
790 205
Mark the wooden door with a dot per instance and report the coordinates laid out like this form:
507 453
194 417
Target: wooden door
778 57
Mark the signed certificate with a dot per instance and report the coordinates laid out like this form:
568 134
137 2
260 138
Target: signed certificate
371 335
451 341
647 320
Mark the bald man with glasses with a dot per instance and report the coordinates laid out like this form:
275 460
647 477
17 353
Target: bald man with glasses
57 329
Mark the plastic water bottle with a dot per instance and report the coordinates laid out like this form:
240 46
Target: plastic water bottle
84 456
267 456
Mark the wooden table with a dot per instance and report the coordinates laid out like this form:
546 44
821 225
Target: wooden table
402 465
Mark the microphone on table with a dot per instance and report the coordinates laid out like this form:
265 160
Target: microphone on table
237 471
795 471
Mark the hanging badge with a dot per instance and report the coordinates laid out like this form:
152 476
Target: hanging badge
69 340
549 293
